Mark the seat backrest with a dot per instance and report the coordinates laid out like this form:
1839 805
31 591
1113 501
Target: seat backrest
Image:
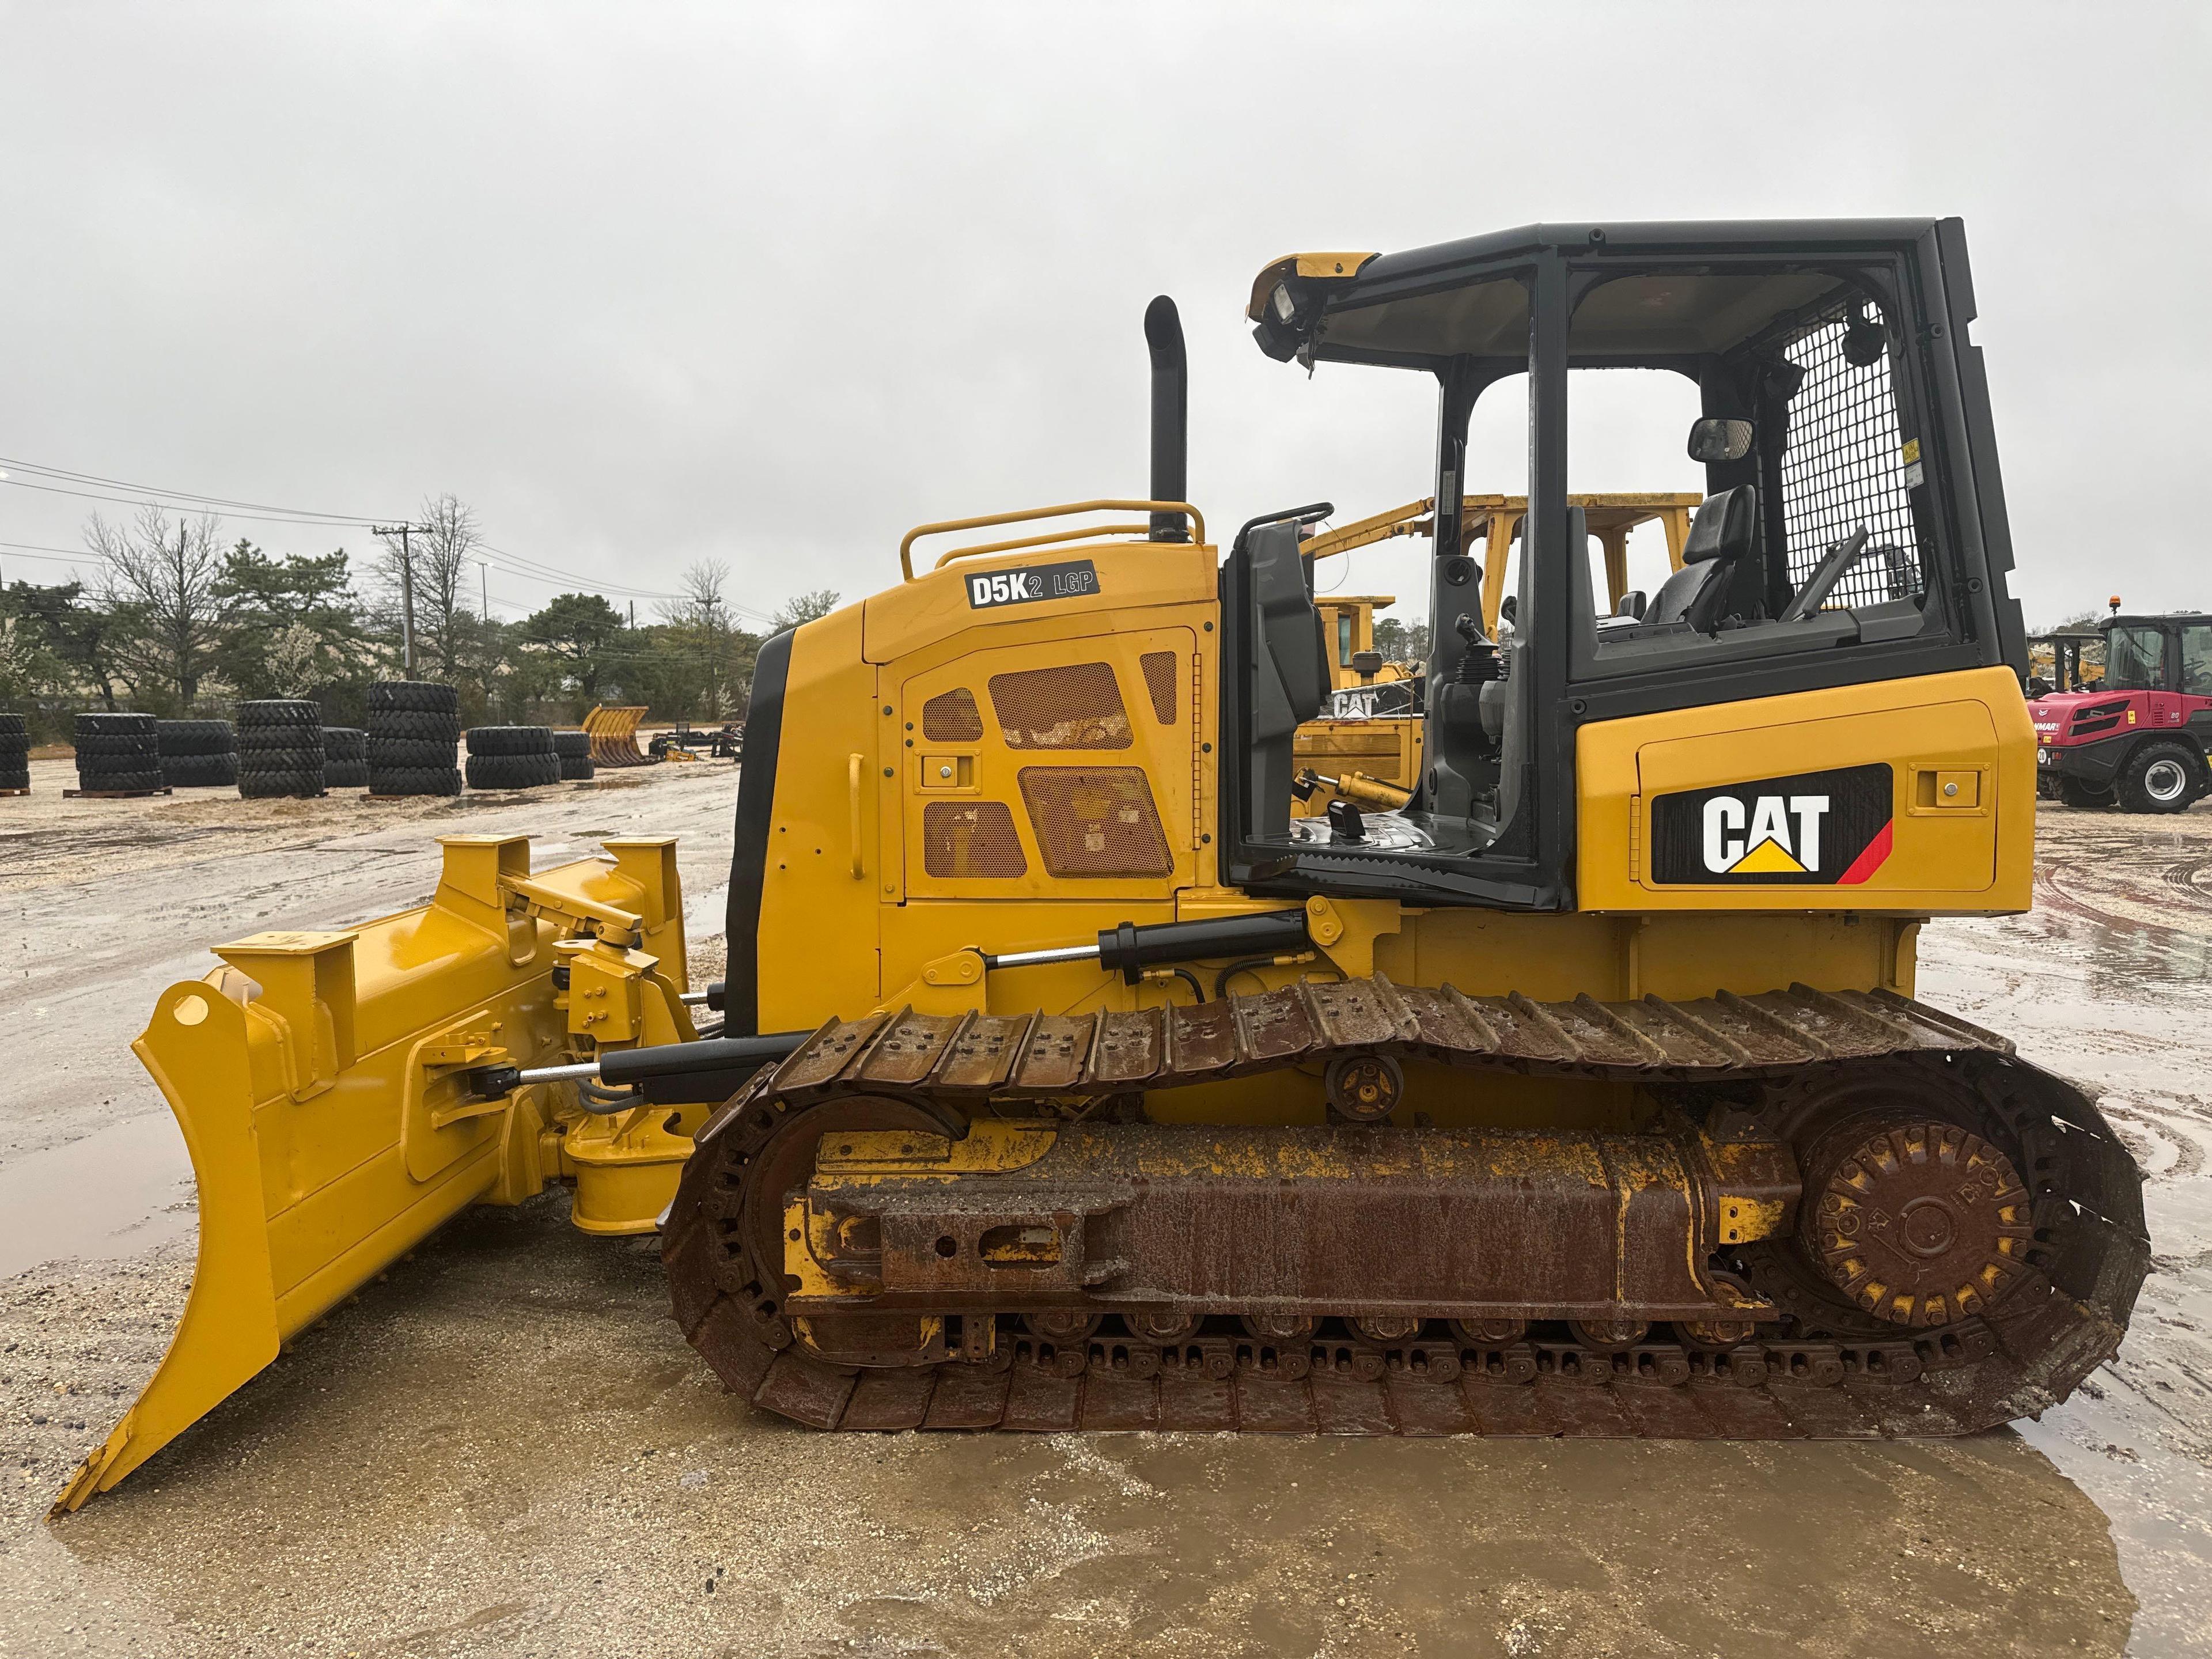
1290 671
1721 534
1724 527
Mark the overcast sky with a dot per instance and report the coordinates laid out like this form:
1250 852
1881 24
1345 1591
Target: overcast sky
649 285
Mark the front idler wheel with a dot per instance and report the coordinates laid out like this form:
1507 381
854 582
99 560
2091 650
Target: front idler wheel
787 1163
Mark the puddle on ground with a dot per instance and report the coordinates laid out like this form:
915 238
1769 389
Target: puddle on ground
116 1193
2138 1438
705 913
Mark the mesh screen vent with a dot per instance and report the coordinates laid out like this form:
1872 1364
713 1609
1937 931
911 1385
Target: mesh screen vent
961 838
1076 707
1845 466
1096 821
1159 668
952 717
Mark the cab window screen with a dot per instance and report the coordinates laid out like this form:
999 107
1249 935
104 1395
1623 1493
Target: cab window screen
1846 463
2196 662
2132 659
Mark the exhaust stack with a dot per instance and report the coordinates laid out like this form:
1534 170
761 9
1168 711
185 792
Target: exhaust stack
1171 416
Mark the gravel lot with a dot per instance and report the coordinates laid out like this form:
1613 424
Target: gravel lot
504 1447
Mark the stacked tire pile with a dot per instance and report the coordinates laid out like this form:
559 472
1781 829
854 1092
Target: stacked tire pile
513 758
197 754
414 726
117 754
574 749
280 749
345 757
14 755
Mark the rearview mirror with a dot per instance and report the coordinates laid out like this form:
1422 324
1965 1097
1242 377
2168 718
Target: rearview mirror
1713 439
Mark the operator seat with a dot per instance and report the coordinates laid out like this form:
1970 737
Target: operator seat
1720 535
1290 670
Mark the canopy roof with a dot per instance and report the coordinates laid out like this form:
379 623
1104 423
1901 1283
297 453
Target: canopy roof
2157 619
1712 294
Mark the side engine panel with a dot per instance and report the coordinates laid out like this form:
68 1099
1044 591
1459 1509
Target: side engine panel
1907 796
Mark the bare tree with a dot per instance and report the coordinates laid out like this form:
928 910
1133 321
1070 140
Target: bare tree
160 580
439 553
714 655
807 607
700 601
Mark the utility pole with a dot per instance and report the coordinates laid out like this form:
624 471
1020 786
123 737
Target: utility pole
406 590
483 576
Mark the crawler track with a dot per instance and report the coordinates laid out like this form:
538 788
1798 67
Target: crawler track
1788 1066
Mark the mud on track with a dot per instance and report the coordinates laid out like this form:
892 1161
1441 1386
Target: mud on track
505 1447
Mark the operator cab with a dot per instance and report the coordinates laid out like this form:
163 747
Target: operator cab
1852 528
2172 653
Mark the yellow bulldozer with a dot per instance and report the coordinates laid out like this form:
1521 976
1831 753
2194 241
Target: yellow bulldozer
1365 744
1065 1080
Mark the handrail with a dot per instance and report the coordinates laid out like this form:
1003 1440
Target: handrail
1144 529
906 547
853 765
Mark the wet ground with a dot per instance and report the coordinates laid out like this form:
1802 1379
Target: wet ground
504 1447
2109 981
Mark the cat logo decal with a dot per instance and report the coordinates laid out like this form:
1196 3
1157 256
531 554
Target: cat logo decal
1814 829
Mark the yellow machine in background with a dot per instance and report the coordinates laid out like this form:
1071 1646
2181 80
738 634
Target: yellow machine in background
1368 740
1347 622
613 733
1493 524
1366 747
1067 1079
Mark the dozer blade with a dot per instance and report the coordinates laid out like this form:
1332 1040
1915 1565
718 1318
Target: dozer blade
321 1080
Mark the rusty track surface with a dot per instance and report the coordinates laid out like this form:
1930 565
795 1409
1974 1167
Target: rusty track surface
1823 1370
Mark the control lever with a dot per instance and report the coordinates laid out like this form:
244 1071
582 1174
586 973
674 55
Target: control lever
1481 662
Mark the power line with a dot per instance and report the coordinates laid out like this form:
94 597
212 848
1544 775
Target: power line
299 513
539 570
143 500
57 555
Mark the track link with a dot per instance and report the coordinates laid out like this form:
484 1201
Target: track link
1786 1064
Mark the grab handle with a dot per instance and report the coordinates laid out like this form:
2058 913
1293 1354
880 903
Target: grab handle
906 547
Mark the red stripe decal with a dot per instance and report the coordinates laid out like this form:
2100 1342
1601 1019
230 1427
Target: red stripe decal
1877 851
